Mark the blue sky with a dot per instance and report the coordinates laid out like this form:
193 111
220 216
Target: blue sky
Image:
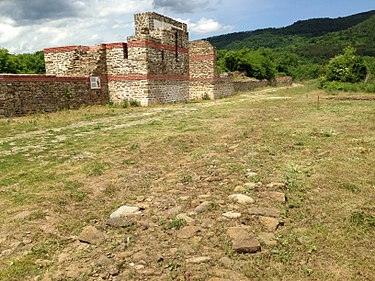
31 25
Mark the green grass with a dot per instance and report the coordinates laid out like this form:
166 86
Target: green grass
73 168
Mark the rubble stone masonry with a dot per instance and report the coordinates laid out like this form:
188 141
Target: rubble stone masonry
29 94
157 65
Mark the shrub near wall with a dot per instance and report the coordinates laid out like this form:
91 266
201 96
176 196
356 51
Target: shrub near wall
28 94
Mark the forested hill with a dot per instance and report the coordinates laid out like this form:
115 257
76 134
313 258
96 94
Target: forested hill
303 35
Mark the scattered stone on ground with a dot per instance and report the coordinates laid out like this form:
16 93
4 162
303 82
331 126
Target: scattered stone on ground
119 222
174 211
276 185
226 262
124 211
303 240
271 224
232 215
91 235
241 199
198 260
251 174
185 217
274 195
268 238
251 185
239 188
242 240
204 206
264 211
188 232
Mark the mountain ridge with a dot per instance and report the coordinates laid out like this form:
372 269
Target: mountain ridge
295 34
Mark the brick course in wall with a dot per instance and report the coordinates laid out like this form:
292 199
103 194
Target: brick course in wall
157 65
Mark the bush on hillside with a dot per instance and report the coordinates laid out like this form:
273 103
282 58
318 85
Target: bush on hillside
346 67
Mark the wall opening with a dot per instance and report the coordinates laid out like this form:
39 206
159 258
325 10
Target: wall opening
176 44
125 49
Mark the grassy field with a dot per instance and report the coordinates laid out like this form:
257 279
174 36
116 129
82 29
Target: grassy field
66 170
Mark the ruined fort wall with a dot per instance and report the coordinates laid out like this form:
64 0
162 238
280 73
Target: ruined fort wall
168 91
75 61
126 89
154 21
154 66
204 79
158 65
29 94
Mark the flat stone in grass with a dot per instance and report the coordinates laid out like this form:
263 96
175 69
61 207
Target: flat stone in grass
276 185
243 241
271 224
185 217
274 196
124 211
198 260
232 215
241 198
251 174
91 235
239 188
251 185
204 206
268 238
188 232
119 222
174 211
264 211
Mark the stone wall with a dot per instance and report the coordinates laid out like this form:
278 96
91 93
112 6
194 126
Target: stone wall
29 94
205 81
157 65
76 61
242 86
154 66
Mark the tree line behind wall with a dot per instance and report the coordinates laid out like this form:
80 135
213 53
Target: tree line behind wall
22 63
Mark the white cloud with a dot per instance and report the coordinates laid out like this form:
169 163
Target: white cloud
112 8
181 6
8 32
96 22
39 25
208 26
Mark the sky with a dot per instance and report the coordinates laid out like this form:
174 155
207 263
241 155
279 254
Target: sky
31 25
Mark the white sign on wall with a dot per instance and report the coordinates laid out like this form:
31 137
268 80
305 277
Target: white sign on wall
95 82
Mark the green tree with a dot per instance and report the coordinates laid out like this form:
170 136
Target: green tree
346 67
6 63
21 63
258 64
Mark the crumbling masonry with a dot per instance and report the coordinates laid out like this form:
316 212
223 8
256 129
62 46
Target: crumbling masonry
157 65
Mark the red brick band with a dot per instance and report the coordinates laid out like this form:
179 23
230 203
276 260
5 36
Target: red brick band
207 57
71 48
157 46
85 48
130 77
135 77
116 45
